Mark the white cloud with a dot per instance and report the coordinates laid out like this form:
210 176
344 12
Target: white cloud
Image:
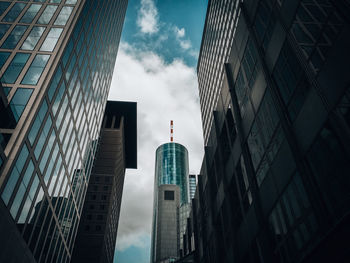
180 37
180 32
163 92
147 19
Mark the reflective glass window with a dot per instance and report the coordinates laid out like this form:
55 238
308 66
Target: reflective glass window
36 125
47 14
54 83
30 14
14 12
3 57
47 151
19 101
64 15
15 68
72 2
33 38
3 29
17 169
42 137
59 98
28 173
30 199
18 200
3 7
55 1
14 37
36 68
51 39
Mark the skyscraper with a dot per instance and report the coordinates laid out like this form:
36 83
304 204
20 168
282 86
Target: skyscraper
56 63
192 184
117 150
171 169
274 185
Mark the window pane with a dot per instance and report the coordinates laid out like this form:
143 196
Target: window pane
34 72
64 15
3 57
33 38
51 39
3 29
28 173
14 37
72 2
30 14
19 101
47 14
14 12
3 7
36 125
54 83
17 201
15 68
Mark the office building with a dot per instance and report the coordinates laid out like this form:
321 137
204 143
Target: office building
171 168
56 64
274 185
192 184
116 151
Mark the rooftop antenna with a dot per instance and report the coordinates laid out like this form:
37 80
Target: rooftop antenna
171 131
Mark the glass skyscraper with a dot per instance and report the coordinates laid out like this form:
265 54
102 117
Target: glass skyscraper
171 169
56 64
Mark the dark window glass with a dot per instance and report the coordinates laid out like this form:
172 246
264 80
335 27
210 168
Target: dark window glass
54 83
14 12
33 38
37 123
15 68
3 57
19 101
169 195
3 7
13 38
36 68
30 14
13 178
3 29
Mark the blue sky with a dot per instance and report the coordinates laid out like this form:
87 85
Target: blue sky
155 67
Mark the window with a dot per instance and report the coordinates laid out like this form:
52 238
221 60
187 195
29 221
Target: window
33 38
37 123
15 68
13 178
3 7
63 17
14 12
42 137
14 37
19 101
51 39
54 83
30 14
36 68
169 195
3 57
47 14
3 29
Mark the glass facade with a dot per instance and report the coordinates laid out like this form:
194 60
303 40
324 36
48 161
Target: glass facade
274 174
192 185
57 60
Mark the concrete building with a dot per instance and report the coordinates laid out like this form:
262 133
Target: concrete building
167 242
56 66
171 169
116 151
274 185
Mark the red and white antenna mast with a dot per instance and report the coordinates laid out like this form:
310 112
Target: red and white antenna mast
171 131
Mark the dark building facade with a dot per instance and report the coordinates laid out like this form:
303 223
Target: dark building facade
274 184
116 151
56 64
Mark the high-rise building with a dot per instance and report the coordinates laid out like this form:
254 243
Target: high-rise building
116 151
56 64
274 185
171 168
193 184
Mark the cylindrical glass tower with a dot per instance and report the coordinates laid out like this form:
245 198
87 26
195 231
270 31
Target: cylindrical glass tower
172 168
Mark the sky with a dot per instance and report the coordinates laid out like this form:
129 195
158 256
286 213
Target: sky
156 67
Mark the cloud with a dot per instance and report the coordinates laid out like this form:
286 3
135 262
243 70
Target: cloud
147 19
163 92
180 37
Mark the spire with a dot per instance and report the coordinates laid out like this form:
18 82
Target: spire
171 131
